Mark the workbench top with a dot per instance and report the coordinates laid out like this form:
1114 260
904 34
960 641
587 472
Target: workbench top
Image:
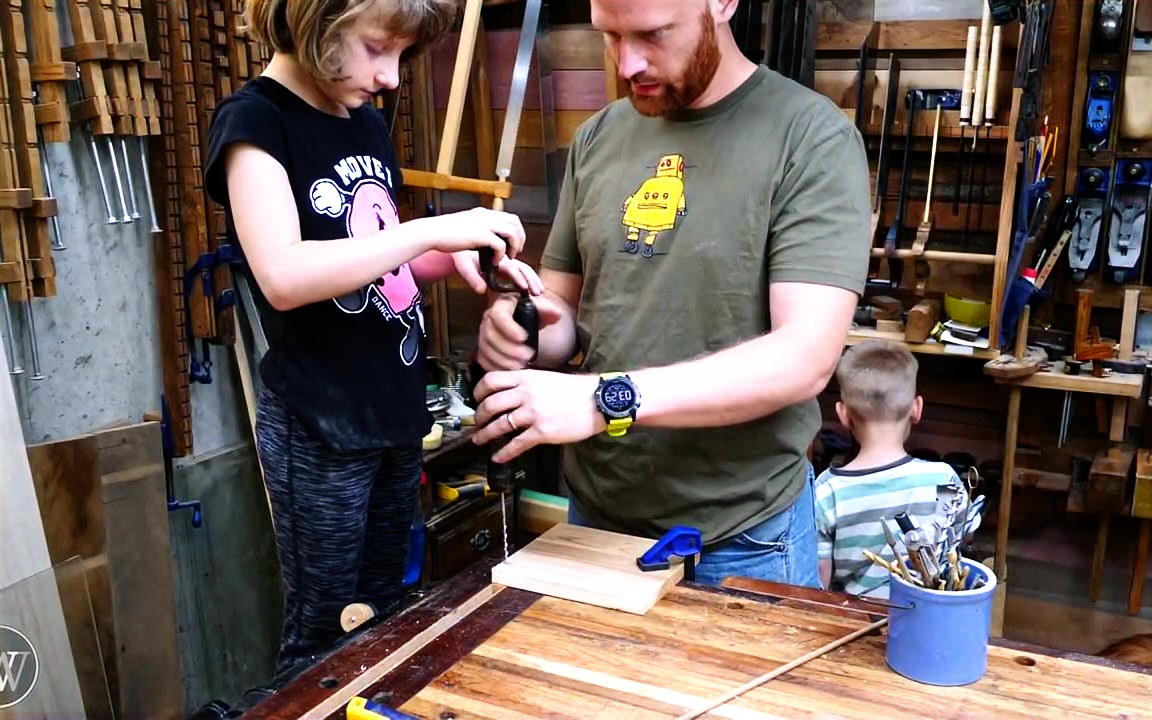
475 650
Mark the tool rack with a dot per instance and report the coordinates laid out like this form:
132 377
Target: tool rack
931 54
33 77
202 56
1100 484
1096 58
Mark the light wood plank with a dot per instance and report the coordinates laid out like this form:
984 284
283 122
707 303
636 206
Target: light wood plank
590 566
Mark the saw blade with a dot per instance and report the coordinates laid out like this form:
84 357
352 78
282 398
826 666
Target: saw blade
518 89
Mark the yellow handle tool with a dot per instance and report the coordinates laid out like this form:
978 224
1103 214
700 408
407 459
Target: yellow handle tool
361 709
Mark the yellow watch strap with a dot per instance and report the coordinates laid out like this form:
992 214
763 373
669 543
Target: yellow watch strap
618 426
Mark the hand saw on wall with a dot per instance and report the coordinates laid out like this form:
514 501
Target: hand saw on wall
442 178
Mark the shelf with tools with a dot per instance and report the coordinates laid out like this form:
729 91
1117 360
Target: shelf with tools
1111 167
932 98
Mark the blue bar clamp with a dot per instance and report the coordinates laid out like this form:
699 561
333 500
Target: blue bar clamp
681 541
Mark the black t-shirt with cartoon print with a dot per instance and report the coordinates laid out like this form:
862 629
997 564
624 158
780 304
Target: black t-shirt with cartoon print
351 368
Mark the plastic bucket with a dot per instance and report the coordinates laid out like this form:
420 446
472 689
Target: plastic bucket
940 637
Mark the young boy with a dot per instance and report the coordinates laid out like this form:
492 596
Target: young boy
878 404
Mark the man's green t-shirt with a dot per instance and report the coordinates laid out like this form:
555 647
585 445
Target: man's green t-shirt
678 226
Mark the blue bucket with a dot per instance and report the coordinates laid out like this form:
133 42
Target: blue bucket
940 637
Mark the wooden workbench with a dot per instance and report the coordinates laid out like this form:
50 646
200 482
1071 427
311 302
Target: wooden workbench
475 650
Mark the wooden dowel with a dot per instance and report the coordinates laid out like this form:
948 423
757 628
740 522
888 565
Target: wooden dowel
978 101
990 105
436 181
969 77
454 116
942 256
932 169
753 684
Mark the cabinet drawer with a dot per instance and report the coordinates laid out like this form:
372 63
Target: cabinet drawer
457 541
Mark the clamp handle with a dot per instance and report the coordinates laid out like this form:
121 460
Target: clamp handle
681 541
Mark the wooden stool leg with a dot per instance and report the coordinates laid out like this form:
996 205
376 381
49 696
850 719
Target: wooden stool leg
1139 567
1098 558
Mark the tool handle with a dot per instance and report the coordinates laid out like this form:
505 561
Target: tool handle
904 522
993 77
932 169
909 137
969 77
978 101
526 317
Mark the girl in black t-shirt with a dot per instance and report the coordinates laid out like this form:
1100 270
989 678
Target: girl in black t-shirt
305 169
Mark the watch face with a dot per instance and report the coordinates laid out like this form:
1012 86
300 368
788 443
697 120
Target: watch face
618 396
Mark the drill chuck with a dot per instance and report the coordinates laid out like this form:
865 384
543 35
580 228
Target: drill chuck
502 477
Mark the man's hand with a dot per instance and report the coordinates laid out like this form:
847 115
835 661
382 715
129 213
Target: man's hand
502 344
544 408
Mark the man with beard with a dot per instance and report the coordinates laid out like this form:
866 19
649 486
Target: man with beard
709 248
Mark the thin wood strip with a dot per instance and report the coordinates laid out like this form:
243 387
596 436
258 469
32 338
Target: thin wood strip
341 697
188 161
211 84
757 682
168 248
410 677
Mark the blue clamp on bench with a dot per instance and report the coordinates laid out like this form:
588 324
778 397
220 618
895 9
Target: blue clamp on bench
681 541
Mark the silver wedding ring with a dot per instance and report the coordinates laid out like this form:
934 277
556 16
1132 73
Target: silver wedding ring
511 422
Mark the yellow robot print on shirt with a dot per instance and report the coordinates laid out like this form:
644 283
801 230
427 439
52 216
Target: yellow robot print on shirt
656 205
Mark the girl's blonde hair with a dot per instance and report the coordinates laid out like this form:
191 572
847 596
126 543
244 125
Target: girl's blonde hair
310 30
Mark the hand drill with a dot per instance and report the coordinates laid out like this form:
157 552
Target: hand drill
503 477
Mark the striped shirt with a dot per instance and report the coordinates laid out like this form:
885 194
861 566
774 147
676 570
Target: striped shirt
851 503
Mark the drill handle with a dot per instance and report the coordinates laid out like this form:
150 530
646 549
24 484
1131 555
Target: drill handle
527 317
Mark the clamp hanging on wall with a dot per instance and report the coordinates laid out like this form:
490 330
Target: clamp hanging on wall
200 369
1091 191
1129 210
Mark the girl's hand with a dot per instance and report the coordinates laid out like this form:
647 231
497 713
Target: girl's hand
467 264
472 229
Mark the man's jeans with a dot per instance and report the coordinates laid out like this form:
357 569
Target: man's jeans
780 549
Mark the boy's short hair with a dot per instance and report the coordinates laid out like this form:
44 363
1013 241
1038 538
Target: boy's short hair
877 380
310 30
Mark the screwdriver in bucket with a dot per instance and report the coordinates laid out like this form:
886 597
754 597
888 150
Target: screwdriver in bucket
503 477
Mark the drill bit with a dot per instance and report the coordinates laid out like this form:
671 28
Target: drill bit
504 521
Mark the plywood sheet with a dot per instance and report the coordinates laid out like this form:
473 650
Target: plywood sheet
589 566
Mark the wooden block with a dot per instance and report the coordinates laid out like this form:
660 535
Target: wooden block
1107 490
887 308
1142 488
590 566
892 326
921 319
